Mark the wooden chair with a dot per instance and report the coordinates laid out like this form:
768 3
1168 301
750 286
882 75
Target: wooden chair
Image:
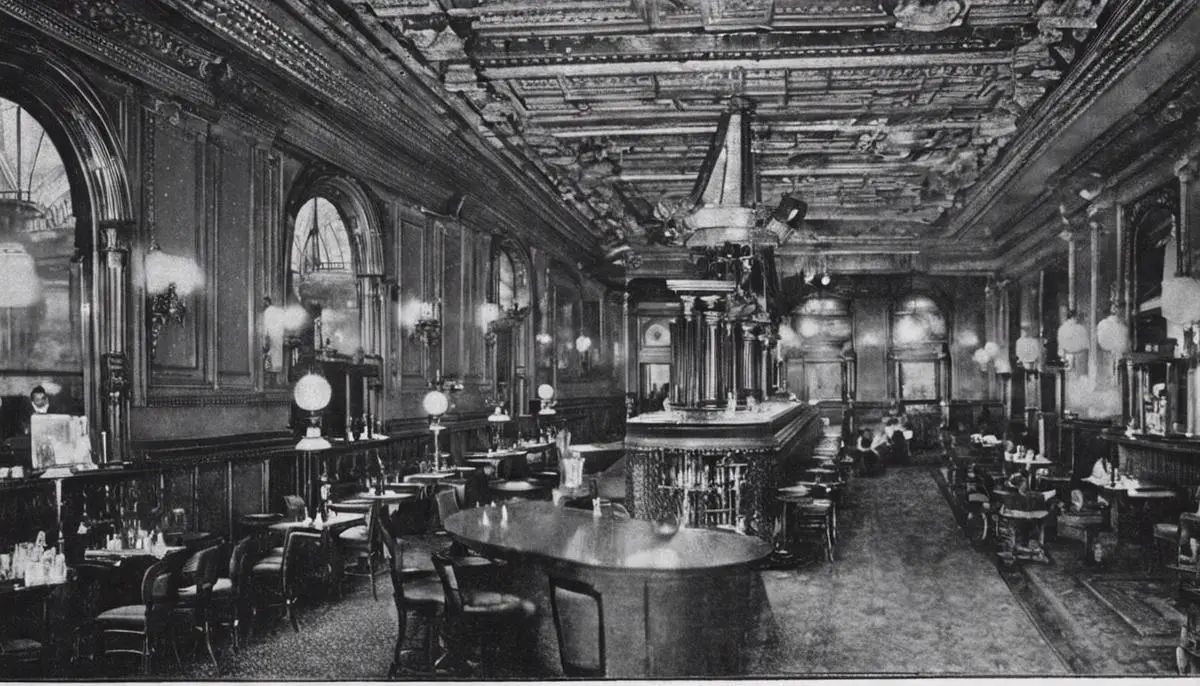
195 601
1166 534
578 611
362 547
230 593
479 618
421 596
149 622
1186 564
813 522
275 579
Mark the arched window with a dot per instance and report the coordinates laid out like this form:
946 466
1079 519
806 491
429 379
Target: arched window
40 332
508 331
323 275
918 337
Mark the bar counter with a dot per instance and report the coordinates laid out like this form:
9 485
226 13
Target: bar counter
1169 461
715 468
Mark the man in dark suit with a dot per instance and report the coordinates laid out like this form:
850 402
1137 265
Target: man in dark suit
39 403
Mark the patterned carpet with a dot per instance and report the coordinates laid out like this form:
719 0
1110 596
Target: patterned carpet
906 596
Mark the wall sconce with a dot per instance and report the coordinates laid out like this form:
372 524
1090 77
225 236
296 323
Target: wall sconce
280 326
169 279
424 321
493 319
1073 338
544 338
312 394
583 343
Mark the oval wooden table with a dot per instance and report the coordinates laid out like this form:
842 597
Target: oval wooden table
673 606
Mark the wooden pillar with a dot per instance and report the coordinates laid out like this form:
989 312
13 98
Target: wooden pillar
709 354
747 355
107 303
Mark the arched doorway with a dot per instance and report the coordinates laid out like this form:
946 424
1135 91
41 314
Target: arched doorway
69 206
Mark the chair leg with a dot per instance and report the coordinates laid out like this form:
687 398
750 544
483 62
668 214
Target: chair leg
146 654
207 629
291 614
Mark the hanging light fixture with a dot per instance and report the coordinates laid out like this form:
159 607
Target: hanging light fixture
23 286
1072 336
1112 333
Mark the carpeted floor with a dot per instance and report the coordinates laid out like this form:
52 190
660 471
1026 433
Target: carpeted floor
907 595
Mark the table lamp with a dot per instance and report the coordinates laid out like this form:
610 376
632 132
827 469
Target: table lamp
546 396
312 394
496 421
436 403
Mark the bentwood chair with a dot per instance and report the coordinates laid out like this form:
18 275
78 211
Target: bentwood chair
148 622
481 619
230 594
195 601
578 611
423 597
276 579
361 548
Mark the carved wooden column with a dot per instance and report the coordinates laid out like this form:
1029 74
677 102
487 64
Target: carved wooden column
109 308
747 378
1189 223
709 352
764 355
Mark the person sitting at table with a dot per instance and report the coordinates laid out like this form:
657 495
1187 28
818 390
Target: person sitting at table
897 440
865 451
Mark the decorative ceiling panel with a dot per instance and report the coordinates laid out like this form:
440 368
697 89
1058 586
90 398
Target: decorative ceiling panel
880 114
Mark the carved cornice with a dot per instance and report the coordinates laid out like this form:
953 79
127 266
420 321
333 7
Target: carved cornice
1136 27
114 50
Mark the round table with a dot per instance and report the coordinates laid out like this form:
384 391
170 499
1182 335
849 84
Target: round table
680 605
508 464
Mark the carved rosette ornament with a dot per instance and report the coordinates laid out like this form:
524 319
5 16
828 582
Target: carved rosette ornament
930 15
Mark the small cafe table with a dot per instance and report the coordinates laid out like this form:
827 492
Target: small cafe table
673 605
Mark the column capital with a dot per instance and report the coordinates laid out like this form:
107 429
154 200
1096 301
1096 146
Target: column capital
1186 167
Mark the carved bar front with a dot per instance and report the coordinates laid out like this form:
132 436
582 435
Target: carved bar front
715 468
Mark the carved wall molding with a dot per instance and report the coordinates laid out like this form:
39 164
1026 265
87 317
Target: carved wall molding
1137 28
211 398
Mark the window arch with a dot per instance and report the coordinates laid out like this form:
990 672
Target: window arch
510 292
918 350
322 274
40 327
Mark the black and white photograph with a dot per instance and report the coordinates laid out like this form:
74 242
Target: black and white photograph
544 340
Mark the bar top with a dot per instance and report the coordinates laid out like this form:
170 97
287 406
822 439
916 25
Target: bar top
765 413
1169 444
571 536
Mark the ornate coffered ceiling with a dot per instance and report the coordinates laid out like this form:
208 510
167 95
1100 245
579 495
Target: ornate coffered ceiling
882 115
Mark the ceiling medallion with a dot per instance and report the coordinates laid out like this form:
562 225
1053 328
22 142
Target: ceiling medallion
930 15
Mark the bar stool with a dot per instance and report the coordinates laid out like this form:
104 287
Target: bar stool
789 498
812 521
480 617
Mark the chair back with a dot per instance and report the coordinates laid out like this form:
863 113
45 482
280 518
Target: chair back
395 557
447 503
293 550
208 569
160 589
350 508
239 562
1189 538
578 610
295 506
444 565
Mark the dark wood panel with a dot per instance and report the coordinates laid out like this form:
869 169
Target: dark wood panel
412 260
281 477
212 503
177 224
870 343
179 488
967 382
234 260
247 488
453 301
